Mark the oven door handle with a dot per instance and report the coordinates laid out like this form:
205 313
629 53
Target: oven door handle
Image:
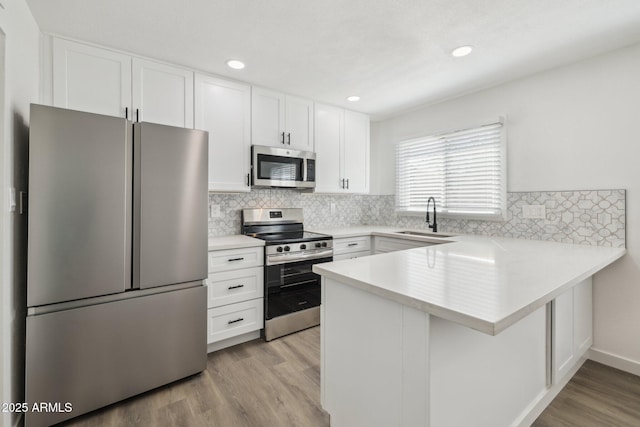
282 259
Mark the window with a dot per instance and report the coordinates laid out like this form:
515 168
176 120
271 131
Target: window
464 170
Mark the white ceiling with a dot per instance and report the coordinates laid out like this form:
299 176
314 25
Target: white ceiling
393 53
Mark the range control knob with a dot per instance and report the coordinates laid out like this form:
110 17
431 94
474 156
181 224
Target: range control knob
303 247
279 249
324 244
318 245
287 248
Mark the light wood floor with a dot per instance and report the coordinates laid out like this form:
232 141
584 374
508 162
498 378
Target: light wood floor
277 384
255 384
596 396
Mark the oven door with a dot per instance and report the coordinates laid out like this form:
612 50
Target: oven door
291 287
281 167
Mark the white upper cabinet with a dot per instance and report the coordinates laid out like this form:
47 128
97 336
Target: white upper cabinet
329 128
299 123
162 93
223 108
102 81
281 120
267 117
342 150
356 152
91 79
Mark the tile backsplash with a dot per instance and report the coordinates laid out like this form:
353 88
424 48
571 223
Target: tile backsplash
583 217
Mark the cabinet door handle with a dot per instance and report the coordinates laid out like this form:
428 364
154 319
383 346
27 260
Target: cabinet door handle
289 138
235 259
352 244
248 180
126 113
282 133
235 287
138 115
347 183
239 319
342 183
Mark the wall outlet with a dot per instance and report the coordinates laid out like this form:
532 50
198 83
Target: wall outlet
333 208
214 211
534 212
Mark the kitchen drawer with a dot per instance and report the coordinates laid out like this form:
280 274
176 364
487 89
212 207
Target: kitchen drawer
386 244
233 286
233 259
351 244
351 255
234 319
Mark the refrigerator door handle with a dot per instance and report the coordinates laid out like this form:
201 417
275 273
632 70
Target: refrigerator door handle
23 202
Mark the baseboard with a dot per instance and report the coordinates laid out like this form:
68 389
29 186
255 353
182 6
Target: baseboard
615 361
233 341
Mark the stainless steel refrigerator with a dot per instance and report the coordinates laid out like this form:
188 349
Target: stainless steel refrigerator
117 255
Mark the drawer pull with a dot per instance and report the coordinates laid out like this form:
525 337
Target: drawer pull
352 244
235 259
235 287
239 319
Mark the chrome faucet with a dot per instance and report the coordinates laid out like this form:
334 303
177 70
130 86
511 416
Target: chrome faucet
433 226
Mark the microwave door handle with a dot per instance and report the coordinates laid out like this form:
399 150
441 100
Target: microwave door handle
304 170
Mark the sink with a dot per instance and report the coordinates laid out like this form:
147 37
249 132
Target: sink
425 233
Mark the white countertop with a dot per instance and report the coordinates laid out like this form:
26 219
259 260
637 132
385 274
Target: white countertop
363 230
394 232
236 241
485 283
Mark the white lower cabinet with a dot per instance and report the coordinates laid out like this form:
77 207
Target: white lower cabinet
351 247
232 320
229 287
234 259
388 244
572 332
235 290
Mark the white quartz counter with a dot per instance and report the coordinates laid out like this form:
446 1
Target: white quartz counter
233 242
484 283
397 232
364 230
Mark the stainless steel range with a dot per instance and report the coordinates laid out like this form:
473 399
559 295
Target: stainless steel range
292 290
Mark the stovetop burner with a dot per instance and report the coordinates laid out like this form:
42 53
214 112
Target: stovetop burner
292 237
284 234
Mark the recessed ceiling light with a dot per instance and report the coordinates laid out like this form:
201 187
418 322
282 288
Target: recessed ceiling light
353 98
235 64
461 51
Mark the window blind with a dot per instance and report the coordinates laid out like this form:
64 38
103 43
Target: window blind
464 170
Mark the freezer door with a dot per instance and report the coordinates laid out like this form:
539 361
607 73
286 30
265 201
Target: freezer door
79 205
99 354
170 205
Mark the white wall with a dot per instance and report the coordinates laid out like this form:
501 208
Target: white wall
20 87
571 128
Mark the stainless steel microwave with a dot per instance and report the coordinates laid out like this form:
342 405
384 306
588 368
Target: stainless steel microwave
282 167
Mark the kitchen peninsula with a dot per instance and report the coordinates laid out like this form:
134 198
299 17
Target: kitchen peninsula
475 331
